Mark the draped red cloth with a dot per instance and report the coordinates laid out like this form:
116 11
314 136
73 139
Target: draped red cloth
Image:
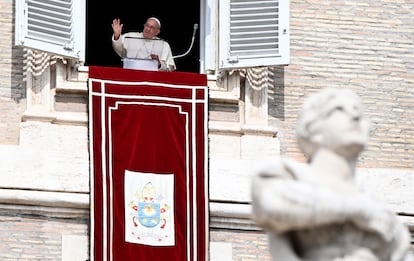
148 136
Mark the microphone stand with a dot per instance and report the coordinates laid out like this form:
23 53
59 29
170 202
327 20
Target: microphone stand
195 27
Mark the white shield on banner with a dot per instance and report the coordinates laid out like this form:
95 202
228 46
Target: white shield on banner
149 208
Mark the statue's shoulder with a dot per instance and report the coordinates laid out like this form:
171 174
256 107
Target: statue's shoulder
283 168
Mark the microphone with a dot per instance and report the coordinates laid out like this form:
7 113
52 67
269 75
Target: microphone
195 27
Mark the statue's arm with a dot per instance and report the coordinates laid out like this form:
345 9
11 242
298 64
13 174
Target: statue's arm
284 204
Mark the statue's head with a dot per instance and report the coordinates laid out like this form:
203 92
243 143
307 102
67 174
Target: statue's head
333 119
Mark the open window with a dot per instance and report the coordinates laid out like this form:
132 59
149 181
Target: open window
253 33
233 33
54 26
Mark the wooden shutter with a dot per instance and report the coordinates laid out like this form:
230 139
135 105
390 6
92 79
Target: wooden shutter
253 33
54 26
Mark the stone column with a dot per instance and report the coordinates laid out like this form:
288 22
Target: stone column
259 140
38 79
255 96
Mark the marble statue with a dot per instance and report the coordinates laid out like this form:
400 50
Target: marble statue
314 211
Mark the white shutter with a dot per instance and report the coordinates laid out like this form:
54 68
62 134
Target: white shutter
253 33
53 26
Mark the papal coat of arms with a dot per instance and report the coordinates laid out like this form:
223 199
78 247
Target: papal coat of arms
149 214
149 217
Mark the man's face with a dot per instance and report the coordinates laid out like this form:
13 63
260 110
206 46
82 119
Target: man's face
151 29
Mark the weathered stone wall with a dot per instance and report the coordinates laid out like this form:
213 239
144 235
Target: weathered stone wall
28 236
367 46
12 89
243 245
9 121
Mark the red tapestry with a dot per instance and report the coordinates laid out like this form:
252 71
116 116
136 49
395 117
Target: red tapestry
148 136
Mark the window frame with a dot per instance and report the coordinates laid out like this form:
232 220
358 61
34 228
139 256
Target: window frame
226 61
73 48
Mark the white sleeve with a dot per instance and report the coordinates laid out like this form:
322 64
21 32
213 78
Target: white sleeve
167 60
118 46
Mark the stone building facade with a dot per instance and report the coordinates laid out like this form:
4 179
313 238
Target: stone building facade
44 163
